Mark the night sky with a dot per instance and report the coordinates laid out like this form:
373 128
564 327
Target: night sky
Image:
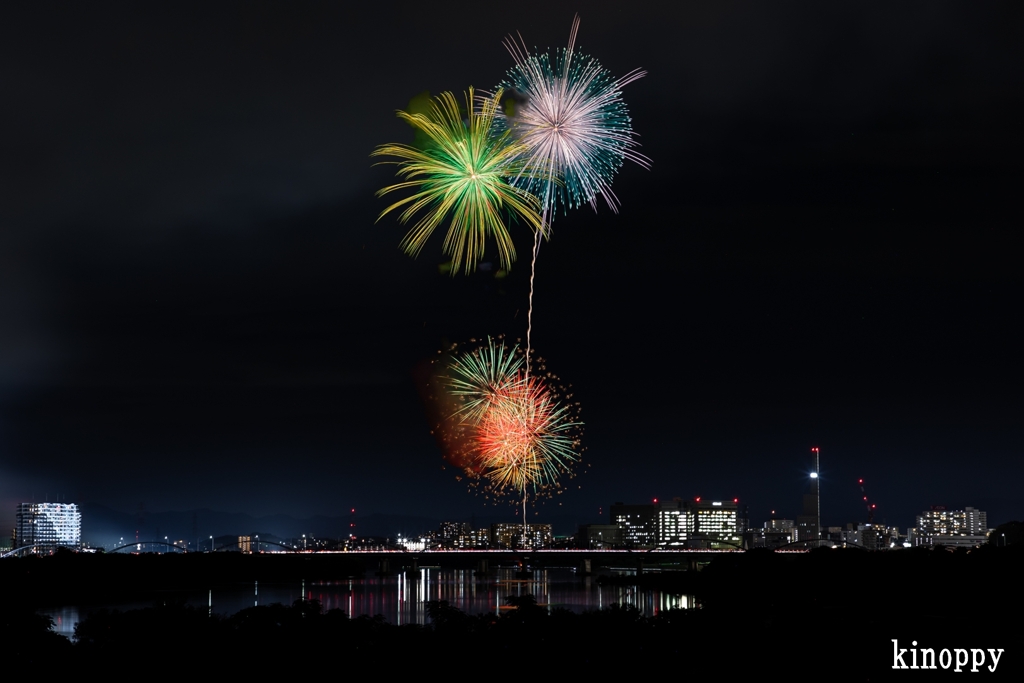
198 310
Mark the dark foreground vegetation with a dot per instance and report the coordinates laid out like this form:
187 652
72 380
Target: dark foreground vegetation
824 615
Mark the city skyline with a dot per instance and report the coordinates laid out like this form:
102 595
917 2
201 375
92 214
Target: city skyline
674 523
200 308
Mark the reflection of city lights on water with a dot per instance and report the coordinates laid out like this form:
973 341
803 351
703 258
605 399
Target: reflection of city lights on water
402 598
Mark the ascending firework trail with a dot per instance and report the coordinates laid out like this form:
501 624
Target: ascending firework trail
568 135
575 130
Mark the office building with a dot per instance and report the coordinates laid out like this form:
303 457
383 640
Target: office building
677 523
673 523
449 532
48 526
636 523
715 523
506 535
951 528
473 538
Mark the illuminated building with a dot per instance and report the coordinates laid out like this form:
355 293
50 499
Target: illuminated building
678 523
779 525
674 523
48 525
942 522
872 536
599 536
776 533
808 525
951 528
636 523
245 544
715 523
511 535
975 522
479 538
449 533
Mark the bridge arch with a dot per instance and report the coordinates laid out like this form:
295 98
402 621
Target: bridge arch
820 543
23 550
141 543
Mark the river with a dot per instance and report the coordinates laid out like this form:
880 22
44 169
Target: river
402 598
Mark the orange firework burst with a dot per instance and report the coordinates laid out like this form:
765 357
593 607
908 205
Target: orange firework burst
523 439
515 435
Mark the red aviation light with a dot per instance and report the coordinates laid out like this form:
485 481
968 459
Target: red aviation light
697 499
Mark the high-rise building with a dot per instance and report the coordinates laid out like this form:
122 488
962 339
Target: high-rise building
940 521
715 522
674 523
939 526
637 524
679 523
975 522
449 533
48 525
808 524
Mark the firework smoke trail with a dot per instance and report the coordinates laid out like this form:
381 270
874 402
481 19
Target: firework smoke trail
464 172
576 130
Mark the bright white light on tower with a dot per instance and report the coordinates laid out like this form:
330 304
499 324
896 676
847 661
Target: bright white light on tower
814 475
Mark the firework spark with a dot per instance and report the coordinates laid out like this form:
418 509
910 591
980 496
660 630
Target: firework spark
523 439
576 131
573 123
479 377
515 434
464 173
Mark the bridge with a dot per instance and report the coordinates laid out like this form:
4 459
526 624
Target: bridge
383 561
585 561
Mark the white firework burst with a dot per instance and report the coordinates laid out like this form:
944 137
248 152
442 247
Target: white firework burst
573 123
